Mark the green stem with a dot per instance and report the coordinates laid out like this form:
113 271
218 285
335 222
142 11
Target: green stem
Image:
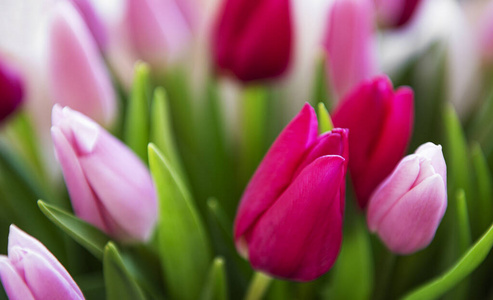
258 286
384 276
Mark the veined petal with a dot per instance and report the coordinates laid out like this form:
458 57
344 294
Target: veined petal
12 282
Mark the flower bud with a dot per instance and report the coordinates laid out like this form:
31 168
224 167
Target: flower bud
11 90
380 123
31 272
78 76
93 22
289 222
396 13
253 38
349 43
108 184
406 209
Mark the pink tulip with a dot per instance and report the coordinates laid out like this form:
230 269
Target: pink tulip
78 76
108 184
93 22
396 13
408 206
253 38
349 43
11 90
486 33
158 29
380 123
289 222
31 272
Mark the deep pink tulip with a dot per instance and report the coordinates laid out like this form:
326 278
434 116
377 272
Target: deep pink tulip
31 272
380 123
158 29
349 44
408 206
78 76
109 185
93 22
396 13
11 90
253 38
289 222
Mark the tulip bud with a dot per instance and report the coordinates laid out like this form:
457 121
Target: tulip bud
486 33
396 13
380 124
109 186
253 39
349 43
93 22
78 76
289 222
11 90
31 272
408 206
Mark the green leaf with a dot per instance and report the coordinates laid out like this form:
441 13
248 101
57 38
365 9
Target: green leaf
463 221
324 121
184 246
119 283
137 120
216 287
468 263
82 232
483 179
320 93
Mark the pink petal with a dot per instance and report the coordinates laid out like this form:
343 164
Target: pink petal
434 153
12 282
300 235
93 22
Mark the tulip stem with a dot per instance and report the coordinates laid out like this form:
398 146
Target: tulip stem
258 286
384 276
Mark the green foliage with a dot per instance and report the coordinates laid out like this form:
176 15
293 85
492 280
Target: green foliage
216 287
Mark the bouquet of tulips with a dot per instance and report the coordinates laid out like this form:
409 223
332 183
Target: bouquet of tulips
246 149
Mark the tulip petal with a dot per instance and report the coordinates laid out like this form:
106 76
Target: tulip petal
412 222
299 236
277 169
12 282
434 154
392 189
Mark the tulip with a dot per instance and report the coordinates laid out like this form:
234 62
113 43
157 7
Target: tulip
486 33
396 13
408 206
11 90
31 272
77 74
253 39
158 30
93 22
380 124
108 184
289 222
349 43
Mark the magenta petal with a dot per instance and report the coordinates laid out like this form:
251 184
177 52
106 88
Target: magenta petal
300 235
276 170
411 224
11 89
12 282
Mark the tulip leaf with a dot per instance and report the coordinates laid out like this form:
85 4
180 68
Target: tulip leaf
119 283
468 263
320 93
216 286
483 181
463 221
184 246
136 133
324 121
82 232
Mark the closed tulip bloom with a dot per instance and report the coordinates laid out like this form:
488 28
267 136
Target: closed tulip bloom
31 272
396 13
93 22
289 222
408 206
108 184
380 122
11 89
253 38
78 76
349 44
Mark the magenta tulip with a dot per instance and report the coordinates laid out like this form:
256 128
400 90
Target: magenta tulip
349 43
109 185
380 123
408 206
253 38
11 90
289 222
78 76
31 272
396 13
